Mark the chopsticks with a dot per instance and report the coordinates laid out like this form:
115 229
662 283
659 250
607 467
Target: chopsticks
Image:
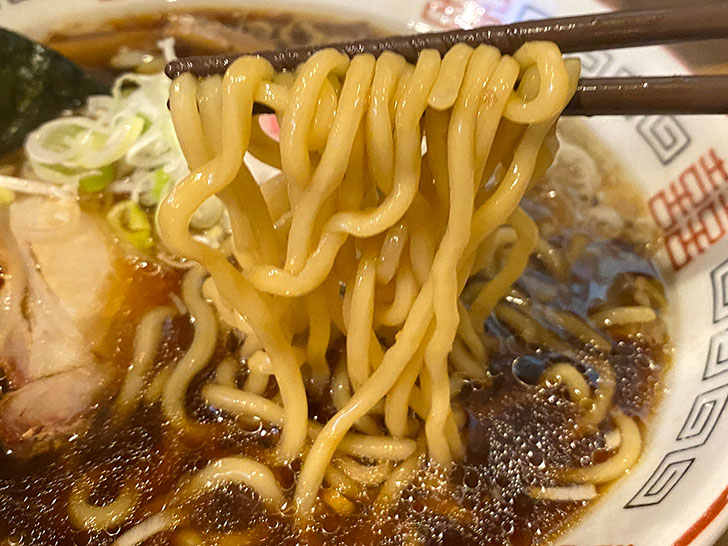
621 29
685 95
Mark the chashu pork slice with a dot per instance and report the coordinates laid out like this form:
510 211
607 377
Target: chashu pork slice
60 271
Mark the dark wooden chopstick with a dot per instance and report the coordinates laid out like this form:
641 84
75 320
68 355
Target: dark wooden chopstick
622 29
619 29
683 95
640 96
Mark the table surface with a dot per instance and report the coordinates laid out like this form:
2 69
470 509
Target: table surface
702 59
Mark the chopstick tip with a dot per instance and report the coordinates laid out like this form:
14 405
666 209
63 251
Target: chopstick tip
176 67
198 66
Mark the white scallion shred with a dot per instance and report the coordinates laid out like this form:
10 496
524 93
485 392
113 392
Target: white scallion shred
166 46
34 187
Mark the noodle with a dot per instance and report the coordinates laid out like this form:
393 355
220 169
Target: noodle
453 244
594 407
145 346
359 323
338 502
364 233
624 315
619 463
145 530
398 480
568 375
259 372
243 403
579 329
84 515
391 253
526 237
341 393
226 373
342 483
379 141
197 355
154 391
239 470
365 475
319 333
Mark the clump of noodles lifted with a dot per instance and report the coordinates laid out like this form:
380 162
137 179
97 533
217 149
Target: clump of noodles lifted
366 237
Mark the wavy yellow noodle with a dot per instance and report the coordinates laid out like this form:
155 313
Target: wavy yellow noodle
367 238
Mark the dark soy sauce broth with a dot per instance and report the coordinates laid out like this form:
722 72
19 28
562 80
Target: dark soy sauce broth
517 433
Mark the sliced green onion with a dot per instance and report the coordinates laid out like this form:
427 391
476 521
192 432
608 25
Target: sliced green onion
147 122
62 169
161 179
131 223
97 181
59 140
89 181
58 174
6 196
104 151
34 187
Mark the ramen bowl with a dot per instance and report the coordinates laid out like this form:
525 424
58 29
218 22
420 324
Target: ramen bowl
677 492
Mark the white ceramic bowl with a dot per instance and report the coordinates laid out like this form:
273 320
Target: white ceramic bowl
677 493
